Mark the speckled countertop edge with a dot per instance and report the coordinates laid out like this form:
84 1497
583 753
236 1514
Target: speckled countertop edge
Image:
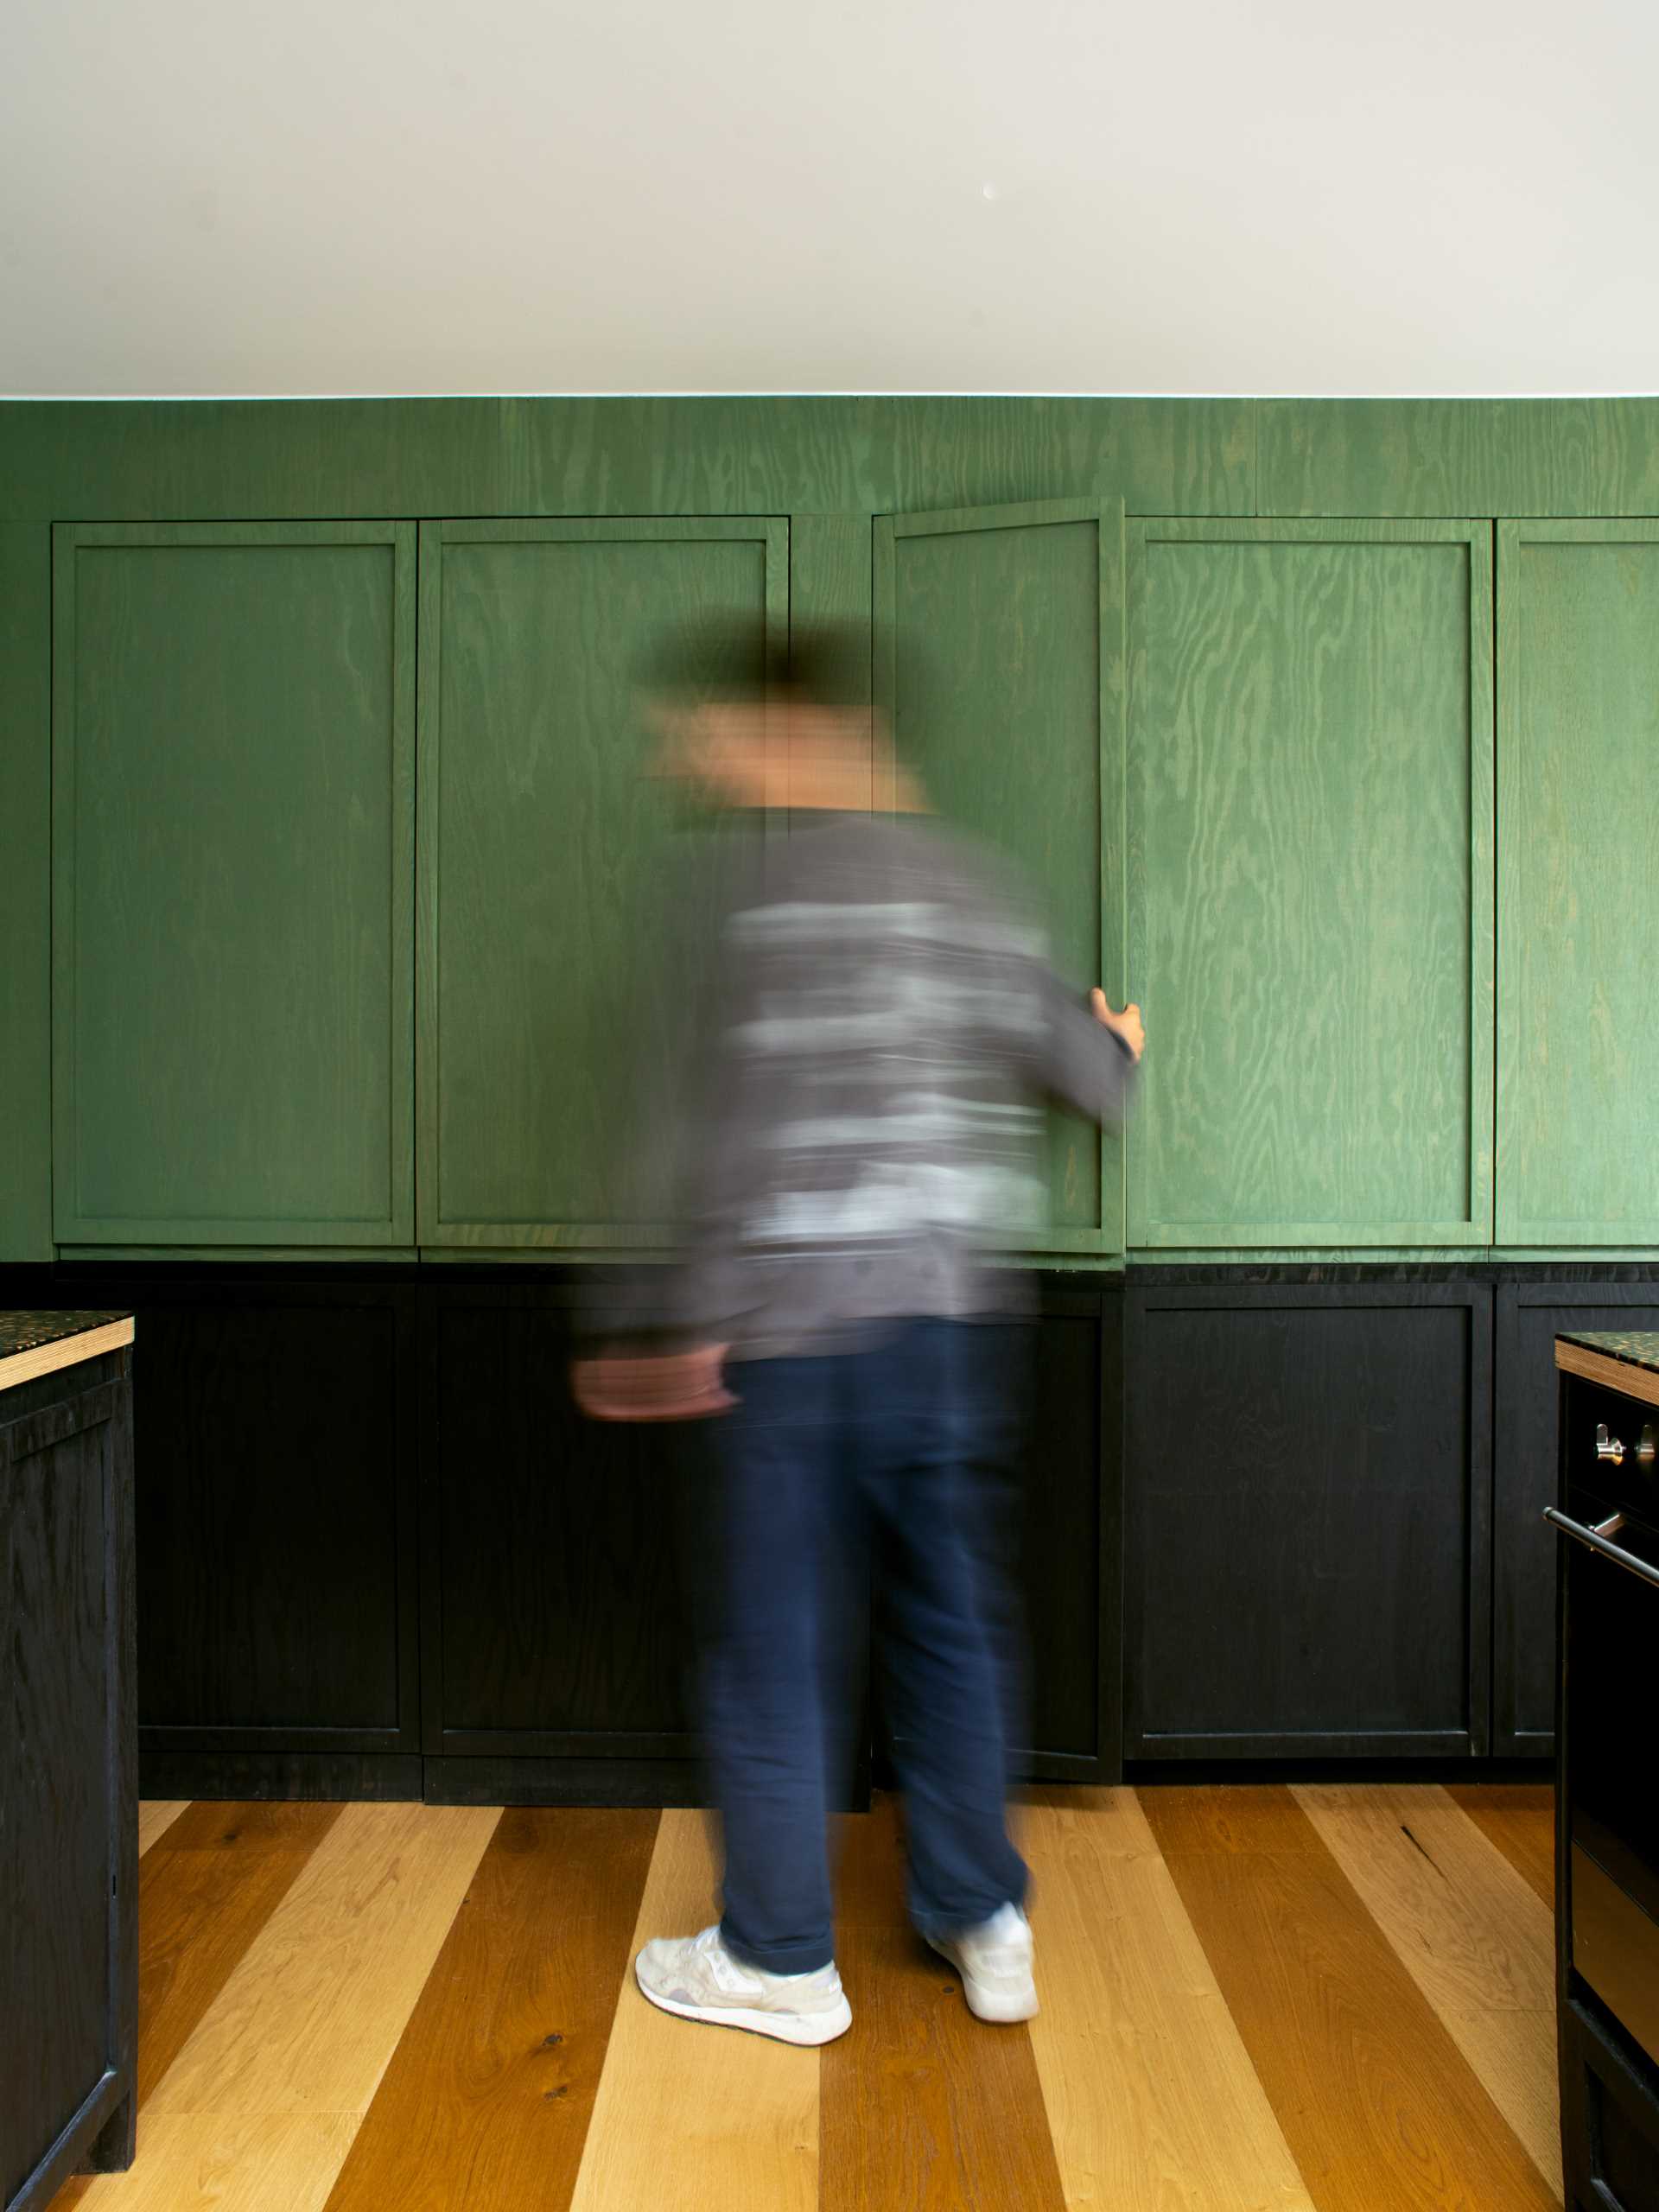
28 1329
1635 1347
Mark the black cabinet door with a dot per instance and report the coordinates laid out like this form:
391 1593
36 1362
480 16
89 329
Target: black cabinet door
557 1612
1524 1547
276 1530
1308 1482
1064 1544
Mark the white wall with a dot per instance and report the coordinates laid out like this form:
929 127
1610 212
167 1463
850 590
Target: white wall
207 196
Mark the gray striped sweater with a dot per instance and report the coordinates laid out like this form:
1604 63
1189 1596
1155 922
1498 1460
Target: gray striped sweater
885 1033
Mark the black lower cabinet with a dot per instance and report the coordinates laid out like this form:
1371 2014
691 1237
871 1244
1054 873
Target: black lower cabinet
1246 1514
567 1565
277 1540
1530 1314
560 1563
1063 1560
68 1783
1308 1486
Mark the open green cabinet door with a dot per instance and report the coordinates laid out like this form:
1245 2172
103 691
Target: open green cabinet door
999 661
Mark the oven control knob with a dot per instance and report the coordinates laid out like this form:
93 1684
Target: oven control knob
1608 1448
1647 1448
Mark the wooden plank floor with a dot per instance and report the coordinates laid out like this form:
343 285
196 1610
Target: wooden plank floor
1334 1998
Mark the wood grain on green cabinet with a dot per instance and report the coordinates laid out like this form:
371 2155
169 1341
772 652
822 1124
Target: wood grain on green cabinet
999 653
232 883
1578 857
564 930
1581 456
713 454
1310 895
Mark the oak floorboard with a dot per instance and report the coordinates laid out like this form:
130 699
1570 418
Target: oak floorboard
1152 2101
204 1895
922 2106
155 1817
1469 1931
487 2099
690 2118
1520 1819
198 2162
310 2018
199 1910
1382 2111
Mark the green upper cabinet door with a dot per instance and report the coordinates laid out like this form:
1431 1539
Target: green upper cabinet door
999 658
232 883
1310 795
1578 848
561 943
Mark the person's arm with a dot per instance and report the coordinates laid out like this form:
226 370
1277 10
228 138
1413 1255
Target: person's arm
671 1370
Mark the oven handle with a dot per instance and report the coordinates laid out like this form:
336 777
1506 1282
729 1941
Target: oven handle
1596 1541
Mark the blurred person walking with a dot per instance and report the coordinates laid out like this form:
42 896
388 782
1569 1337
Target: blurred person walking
885 1031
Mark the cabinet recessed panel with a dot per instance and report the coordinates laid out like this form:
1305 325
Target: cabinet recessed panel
1578 847
566 931
233 828
1306 1479
1310 888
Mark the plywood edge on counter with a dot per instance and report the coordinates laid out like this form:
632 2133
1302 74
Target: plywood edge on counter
1622 1375
64 1351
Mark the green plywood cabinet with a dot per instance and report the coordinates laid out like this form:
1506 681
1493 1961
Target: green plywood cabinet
1578 854
232 883
1310 897
1457 457
560 944
998 654
26 893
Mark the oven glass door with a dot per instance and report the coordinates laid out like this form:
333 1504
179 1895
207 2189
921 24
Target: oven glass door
1611 1627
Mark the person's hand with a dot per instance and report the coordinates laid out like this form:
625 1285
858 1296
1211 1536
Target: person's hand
1127 1025
652 1386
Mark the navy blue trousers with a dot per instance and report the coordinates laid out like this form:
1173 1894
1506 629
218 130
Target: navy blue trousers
891 1454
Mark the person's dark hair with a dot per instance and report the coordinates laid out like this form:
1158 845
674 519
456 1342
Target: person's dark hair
723 659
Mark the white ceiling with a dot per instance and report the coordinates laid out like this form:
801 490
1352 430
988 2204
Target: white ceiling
211 196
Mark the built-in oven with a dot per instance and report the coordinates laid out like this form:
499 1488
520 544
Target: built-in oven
1609 1517
1608 1860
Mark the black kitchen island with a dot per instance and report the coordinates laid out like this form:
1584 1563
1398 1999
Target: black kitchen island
68 1752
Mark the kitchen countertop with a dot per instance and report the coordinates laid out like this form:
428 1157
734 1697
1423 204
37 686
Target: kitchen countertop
1621 1359
35 1343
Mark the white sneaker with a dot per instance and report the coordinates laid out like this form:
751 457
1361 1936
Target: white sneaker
994 1963
697 1977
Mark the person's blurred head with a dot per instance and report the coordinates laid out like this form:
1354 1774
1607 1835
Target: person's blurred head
756 725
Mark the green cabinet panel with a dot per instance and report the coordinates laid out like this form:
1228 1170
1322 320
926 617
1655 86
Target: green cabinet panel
720 454
998 656
1580 456
1578 855
558 959
232 883
26 892
1310 897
